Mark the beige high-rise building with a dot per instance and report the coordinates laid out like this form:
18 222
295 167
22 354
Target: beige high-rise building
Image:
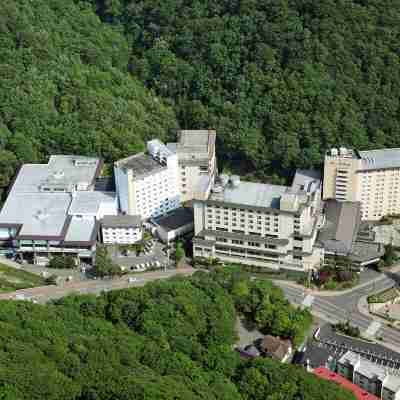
197 162
370 177
259 224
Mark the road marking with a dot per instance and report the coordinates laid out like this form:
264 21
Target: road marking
373 328
308 300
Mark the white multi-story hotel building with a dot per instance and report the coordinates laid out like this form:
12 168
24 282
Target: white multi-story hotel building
197 162
121 229
148 184
54 208
262 225
370 177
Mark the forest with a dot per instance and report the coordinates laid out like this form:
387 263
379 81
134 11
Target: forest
170 339
280 80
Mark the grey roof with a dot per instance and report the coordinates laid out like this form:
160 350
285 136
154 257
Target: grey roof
88 202
366 251
45 215
60 170
42 214
121 221
194 145
366 367
177 218
252 194
316 355
392 382
342 221
141 165
380 159
80 230
198 138
306 180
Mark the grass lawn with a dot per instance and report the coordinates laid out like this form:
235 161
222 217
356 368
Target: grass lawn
382 297
13 279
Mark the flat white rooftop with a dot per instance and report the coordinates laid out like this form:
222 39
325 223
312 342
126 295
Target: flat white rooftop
41 214
380 159
252 194
67 171
88 202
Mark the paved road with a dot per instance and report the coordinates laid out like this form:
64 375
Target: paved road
341 308
43 294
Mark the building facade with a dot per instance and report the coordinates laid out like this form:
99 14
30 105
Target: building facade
148 184
53 209
371 377
370 177
121 229
197 162
263 225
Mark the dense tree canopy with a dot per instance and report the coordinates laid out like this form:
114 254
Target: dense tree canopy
64 87
168 340
281 80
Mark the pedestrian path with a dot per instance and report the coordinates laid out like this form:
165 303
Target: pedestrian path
372 329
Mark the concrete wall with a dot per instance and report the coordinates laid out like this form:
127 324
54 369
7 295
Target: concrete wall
121 183
333 166
379 193
121 235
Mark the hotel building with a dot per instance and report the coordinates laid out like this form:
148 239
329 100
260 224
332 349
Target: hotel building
263 225
148 184
121 229
370 177
54 208
197 162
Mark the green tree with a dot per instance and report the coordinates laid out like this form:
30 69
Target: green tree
179 252
104 265
62 262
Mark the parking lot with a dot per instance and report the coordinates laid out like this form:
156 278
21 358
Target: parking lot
154 258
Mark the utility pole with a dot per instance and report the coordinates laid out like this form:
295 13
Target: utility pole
165 268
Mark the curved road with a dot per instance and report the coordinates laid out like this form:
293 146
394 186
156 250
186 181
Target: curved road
339 308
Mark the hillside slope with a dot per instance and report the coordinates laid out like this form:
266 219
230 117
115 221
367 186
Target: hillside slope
281 80
64 87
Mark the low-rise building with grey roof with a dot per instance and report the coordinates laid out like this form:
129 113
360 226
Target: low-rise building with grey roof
260 224
148 184
197 162
53 209
121 229
339 234
175 224
370 177
373 378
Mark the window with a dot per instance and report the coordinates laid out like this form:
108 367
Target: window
235 241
